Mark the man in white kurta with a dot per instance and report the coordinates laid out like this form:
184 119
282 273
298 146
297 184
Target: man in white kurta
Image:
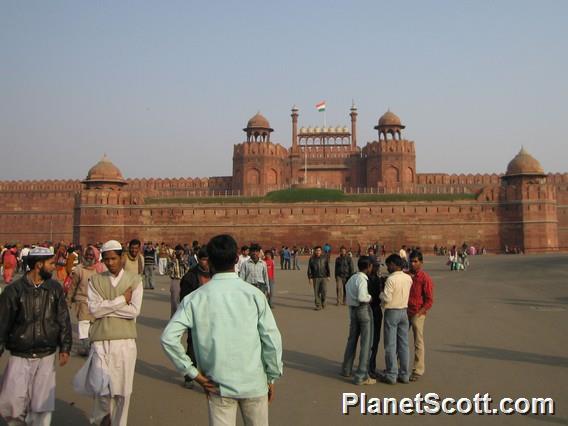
114 299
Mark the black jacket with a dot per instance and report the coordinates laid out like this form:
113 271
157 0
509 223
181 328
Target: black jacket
318 267
34 321
189 282
344 266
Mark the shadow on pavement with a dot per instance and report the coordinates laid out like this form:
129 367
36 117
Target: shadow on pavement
67 414
508 355
156 323
311 364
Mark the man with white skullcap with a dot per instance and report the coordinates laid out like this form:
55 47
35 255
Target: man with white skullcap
114 299
34 323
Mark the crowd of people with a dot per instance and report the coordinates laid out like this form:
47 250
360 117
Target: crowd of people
217 293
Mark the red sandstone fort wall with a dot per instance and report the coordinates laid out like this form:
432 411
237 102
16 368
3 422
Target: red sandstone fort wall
394 224
33 211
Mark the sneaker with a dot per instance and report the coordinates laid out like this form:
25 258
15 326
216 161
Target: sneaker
367 381
401 380
384 379
317 308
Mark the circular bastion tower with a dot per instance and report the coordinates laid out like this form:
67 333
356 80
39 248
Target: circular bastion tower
258 163
391 160
98 213
528 210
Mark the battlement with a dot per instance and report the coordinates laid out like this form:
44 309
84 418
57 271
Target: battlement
160 184
389 145
458 179
40 185
264 149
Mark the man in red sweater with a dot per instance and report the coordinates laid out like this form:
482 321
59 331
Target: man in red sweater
420 301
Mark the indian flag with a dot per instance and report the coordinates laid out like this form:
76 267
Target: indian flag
320 106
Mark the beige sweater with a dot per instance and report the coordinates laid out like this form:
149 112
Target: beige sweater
396 292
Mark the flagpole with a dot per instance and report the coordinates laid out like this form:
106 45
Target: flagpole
305 164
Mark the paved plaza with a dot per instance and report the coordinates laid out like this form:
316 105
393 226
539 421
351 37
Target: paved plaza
498 328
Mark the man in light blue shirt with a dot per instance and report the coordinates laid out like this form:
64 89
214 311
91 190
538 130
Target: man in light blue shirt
238 348
361 323
254 270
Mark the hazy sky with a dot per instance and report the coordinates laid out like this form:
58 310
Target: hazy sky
165 87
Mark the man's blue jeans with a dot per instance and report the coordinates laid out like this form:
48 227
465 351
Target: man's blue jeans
361 324
395 326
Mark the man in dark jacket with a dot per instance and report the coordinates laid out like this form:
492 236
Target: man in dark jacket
343 271
191 281
375 286
318 276
34 323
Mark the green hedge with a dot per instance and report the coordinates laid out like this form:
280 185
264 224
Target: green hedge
313 195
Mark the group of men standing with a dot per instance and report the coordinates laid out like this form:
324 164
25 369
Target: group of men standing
400 304
35 324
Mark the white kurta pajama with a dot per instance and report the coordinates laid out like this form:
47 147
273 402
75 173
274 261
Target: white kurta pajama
109 371
28 391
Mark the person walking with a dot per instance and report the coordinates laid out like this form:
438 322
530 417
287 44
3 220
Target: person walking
176 270
77 296
149 265
360 324
9 262
394 302
420 301
271 270
34 324
115 300
255 272
343 271
318 276
287 258
243 258
234 372
133 259
163 256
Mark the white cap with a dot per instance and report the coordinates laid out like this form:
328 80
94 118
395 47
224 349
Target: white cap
111 245
40 252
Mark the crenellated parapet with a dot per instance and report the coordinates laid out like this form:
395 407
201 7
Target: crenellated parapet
43 185
265 149
376 148
458 179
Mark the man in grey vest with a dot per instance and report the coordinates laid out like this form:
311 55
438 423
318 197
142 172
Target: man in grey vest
115 299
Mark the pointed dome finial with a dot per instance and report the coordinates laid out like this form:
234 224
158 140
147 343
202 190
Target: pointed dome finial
524 164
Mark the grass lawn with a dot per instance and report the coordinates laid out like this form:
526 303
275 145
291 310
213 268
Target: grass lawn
312 195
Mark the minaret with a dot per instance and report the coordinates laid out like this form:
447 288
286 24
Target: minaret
294 116
353 115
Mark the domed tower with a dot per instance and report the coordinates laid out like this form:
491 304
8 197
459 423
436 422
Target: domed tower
390 161
104 175
258 129
528 211
389 125
258 164
98 214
